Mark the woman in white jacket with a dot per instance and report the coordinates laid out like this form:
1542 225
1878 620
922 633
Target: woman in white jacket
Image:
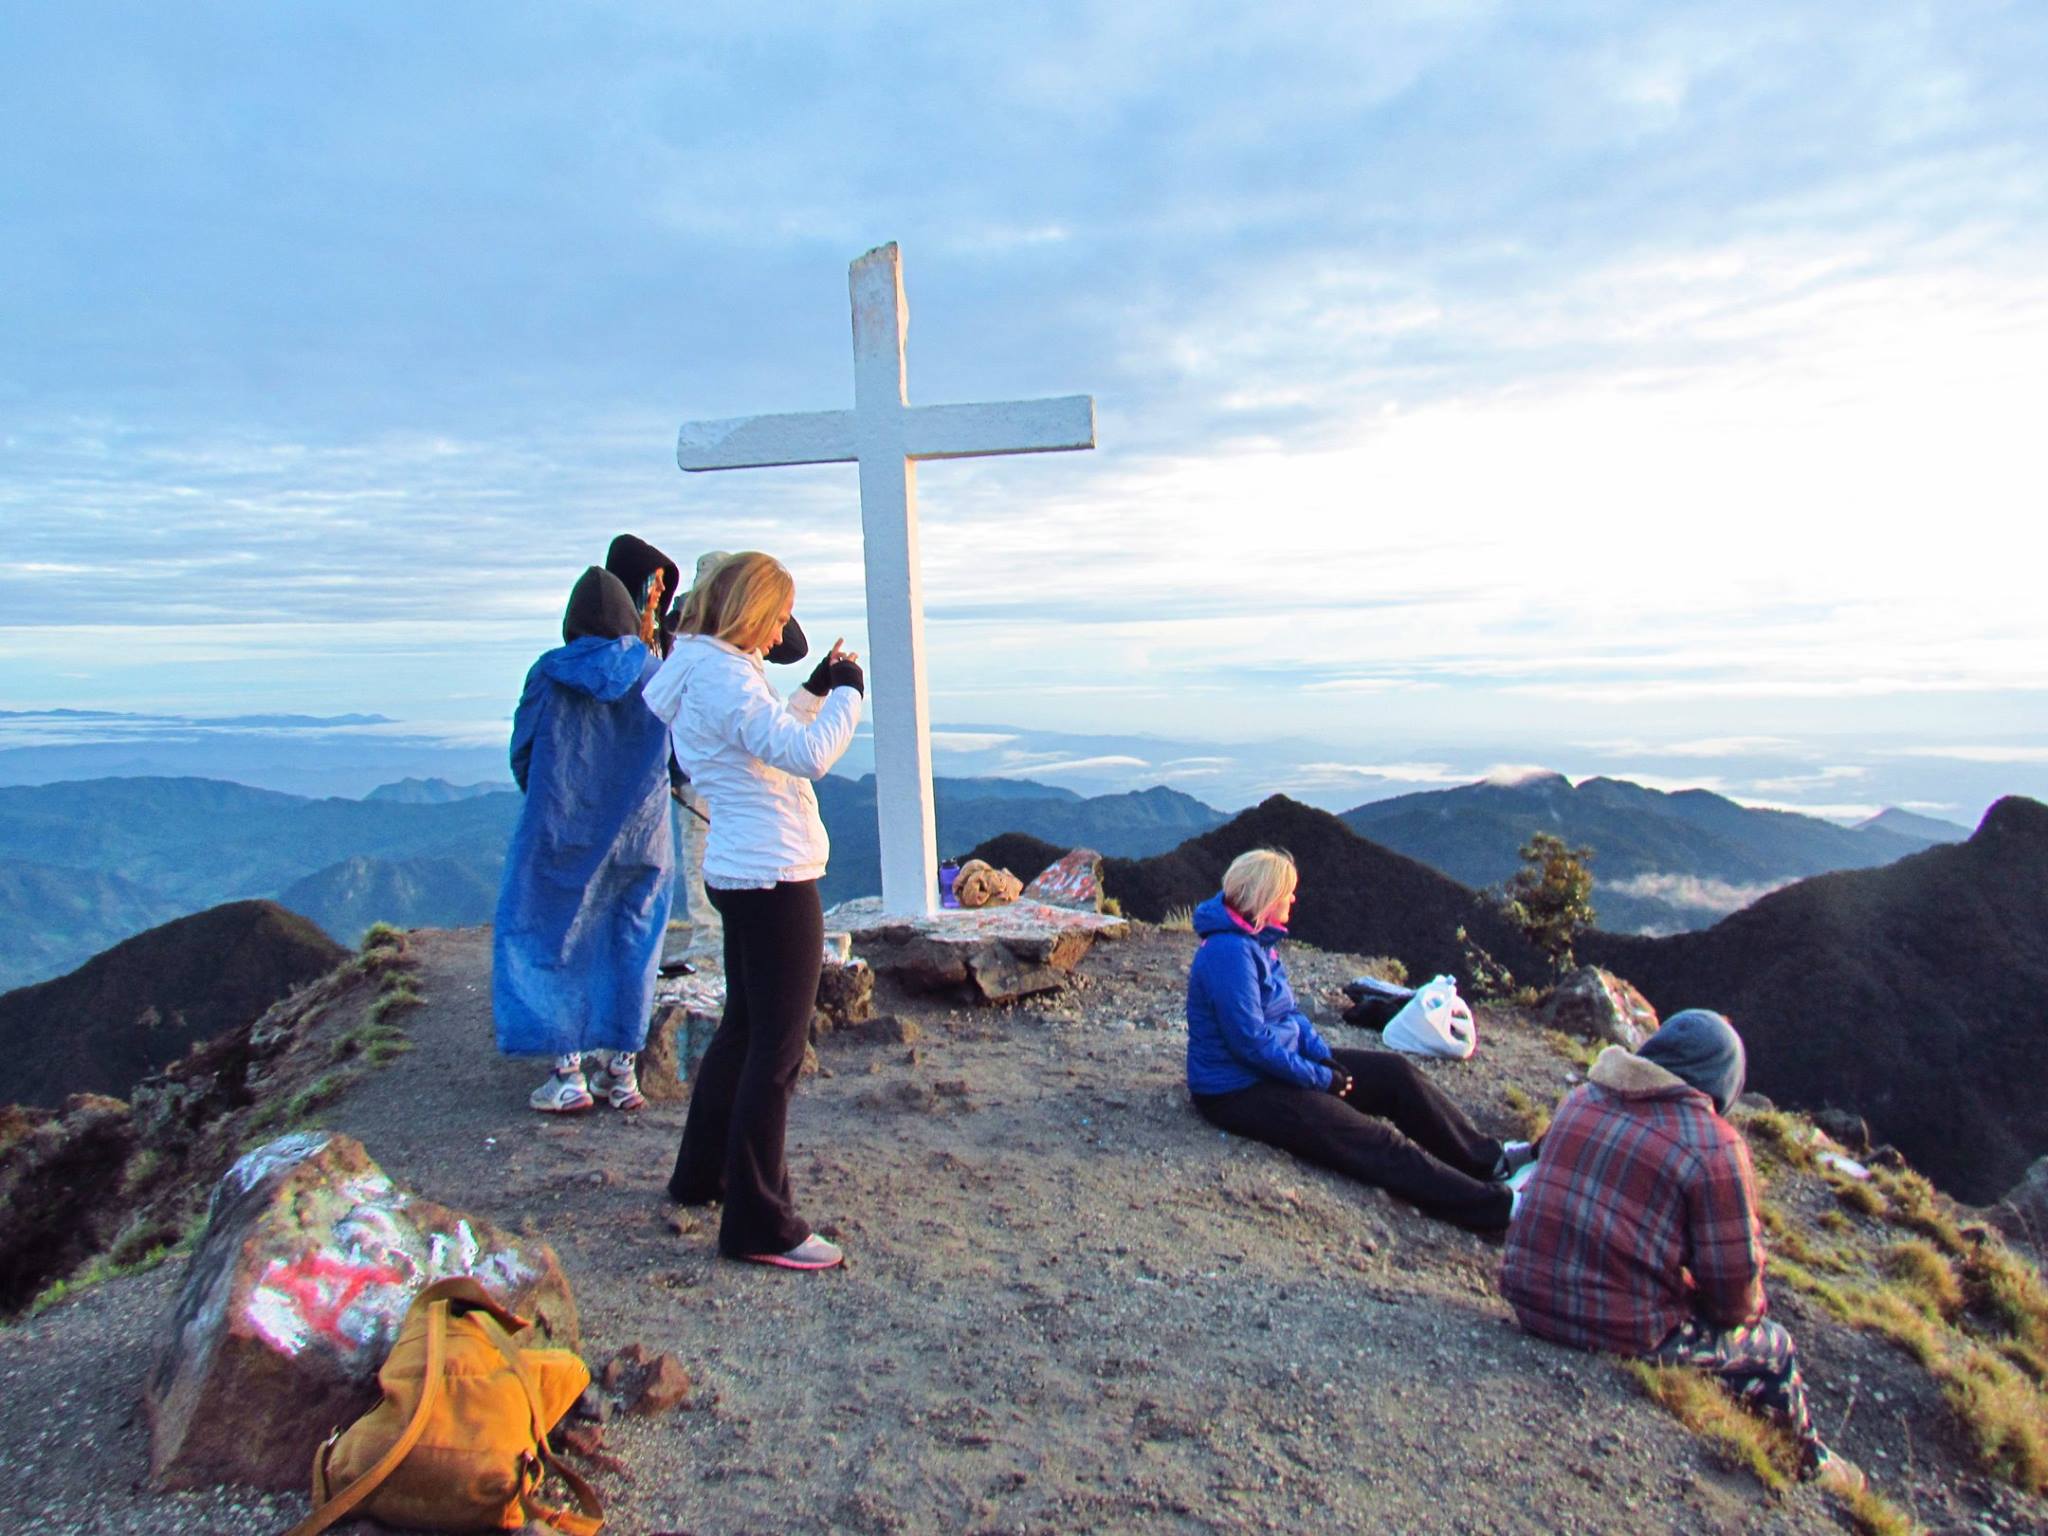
751 755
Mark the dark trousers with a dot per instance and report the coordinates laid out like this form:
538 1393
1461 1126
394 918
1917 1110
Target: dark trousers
1396 1130
739 1108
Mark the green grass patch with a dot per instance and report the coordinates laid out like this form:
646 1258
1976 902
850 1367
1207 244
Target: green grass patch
1926 1277
1580 1053
99 1271
1872 1514
1178 920
1740 1439
1531 1117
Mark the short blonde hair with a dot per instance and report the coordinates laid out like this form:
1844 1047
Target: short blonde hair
740 601
1259 881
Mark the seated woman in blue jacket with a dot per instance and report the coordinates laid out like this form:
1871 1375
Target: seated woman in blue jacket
1257 1068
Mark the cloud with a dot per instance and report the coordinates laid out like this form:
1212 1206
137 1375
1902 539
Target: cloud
1692 892
970 741
1973 754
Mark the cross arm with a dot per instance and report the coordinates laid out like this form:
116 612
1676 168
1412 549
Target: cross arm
753 442
1010 426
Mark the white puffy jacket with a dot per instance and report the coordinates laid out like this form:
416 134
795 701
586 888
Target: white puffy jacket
751 755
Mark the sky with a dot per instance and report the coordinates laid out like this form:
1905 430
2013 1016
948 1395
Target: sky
1650 390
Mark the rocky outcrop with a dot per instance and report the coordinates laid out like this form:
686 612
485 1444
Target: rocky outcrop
310 1259
52 1179
2023 1214
1598 1005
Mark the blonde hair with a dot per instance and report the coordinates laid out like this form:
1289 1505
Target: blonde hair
740 600
1259 881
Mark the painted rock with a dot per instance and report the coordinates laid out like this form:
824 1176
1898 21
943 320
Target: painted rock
1075 881
1598 1005
310 1259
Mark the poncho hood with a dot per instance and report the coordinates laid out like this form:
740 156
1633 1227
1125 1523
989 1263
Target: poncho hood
599 605
607 670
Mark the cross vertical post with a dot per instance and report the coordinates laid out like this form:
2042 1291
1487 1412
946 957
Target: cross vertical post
886 436
904 798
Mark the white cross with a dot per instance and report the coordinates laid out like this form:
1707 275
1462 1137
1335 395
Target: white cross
887 435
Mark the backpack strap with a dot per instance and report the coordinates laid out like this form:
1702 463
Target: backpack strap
327 1510
592 1519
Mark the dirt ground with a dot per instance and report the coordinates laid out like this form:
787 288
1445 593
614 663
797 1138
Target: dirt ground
1069 1305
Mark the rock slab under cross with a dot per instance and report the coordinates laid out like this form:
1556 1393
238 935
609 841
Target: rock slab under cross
886 435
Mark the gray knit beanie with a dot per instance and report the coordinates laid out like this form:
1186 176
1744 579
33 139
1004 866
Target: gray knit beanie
1702 1049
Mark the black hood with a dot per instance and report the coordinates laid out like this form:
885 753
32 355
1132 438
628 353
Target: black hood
633 561
791 646
599 605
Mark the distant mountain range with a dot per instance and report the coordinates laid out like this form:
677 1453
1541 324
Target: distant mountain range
86 863
1663 862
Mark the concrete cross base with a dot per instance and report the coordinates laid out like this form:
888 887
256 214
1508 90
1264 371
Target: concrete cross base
991 954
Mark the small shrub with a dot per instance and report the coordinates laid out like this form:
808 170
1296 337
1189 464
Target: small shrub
382 936
1836 1222
1872 1514
1924 1274
1858 1197
1178 920
1580 1053
1550 897
1491 981
323 1090
1112 906
2004 1415
1531 1118
1781 1137
1741 1439
1387 969
393 1001
1919 1207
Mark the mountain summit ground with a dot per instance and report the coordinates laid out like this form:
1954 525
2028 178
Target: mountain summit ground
1070 1306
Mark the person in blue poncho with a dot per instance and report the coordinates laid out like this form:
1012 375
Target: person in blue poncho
588 877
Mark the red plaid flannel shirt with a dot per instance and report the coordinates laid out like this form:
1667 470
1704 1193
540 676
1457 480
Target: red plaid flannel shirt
1642 1213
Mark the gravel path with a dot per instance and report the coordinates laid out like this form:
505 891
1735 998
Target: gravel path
1070 1305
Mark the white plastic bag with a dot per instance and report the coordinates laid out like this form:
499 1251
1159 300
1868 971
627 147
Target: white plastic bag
1435 1022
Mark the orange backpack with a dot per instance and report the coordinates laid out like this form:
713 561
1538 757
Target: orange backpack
460 1441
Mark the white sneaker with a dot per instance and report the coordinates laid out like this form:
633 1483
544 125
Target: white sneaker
812 1253
1514 1157
562 1094
621 1082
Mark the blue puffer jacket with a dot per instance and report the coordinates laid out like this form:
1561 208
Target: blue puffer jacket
1243 1026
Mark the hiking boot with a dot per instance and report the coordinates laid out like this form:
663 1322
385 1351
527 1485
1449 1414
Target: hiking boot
812 1253
1835 1474
621 1082
564 1093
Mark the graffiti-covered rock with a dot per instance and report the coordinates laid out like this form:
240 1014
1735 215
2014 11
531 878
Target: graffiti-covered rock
1598 1005
310 1259
1075 881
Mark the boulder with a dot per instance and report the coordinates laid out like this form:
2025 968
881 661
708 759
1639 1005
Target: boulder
986 968
2023 1214
310 1259
1598 1005
1851 1131
982 885
846 993
1074 881
646 1382
667 1056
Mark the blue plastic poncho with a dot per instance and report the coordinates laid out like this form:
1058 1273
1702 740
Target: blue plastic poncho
588 878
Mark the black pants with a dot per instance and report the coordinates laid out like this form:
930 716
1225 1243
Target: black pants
739 1109
1431 1155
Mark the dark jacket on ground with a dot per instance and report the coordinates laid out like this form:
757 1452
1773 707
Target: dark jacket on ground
1641 1213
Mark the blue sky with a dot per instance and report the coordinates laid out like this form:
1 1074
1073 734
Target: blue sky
1640 389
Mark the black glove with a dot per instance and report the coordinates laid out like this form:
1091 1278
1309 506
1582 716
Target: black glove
820 680
1340 1080
847 674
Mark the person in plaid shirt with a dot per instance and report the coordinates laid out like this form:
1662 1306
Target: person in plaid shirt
1637 1230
